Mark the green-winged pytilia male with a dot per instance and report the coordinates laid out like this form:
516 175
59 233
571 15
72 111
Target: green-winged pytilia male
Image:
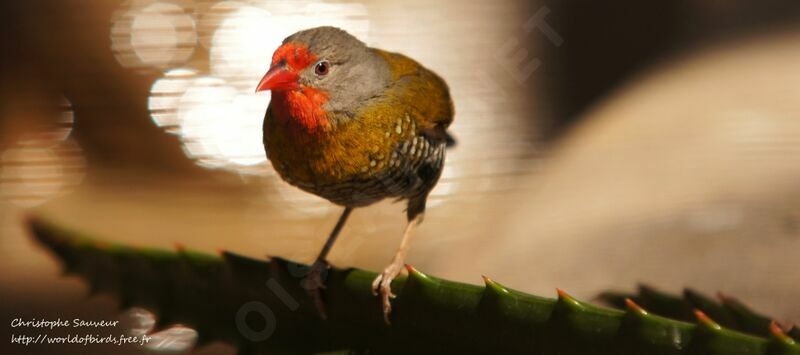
355 125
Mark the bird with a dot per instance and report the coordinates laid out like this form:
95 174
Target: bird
355 125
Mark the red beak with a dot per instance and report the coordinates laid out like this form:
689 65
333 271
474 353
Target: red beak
278 78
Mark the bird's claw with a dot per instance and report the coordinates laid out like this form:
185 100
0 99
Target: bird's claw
314 278
314 282
383 285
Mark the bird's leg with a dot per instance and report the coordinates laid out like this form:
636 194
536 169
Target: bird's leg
383 283
314 280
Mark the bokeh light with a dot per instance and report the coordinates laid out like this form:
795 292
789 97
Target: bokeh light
165 95
219 126
142 321
243 45
174 339
158 35
43 163
211 16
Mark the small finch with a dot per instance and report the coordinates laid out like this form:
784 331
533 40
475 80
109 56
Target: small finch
355 125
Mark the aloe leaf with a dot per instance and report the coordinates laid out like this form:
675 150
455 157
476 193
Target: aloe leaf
728 311
261 306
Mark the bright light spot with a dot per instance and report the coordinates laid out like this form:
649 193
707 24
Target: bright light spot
158 35
165 95
244 144
220 126
56 130
142 321
212 17
43 163
243 45
173 339
31 174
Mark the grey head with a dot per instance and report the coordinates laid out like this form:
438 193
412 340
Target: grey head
345 68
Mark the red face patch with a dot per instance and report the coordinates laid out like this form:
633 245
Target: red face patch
302 108
296 55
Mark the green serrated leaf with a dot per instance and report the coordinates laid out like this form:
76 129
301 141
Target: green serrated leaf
262 307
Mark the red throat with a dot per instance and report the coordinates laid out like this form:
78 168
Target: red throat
301 108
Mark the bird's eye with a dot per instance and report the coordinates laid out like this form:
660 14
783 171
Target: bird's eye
322 67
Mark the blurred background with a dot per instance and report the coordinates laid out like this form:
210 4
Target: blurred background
601 144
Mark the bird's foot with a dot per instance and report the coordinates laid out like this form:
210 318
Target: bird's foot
314 282
383 285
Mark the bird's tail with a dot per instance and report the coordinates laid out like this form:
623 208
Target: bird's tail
451 141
